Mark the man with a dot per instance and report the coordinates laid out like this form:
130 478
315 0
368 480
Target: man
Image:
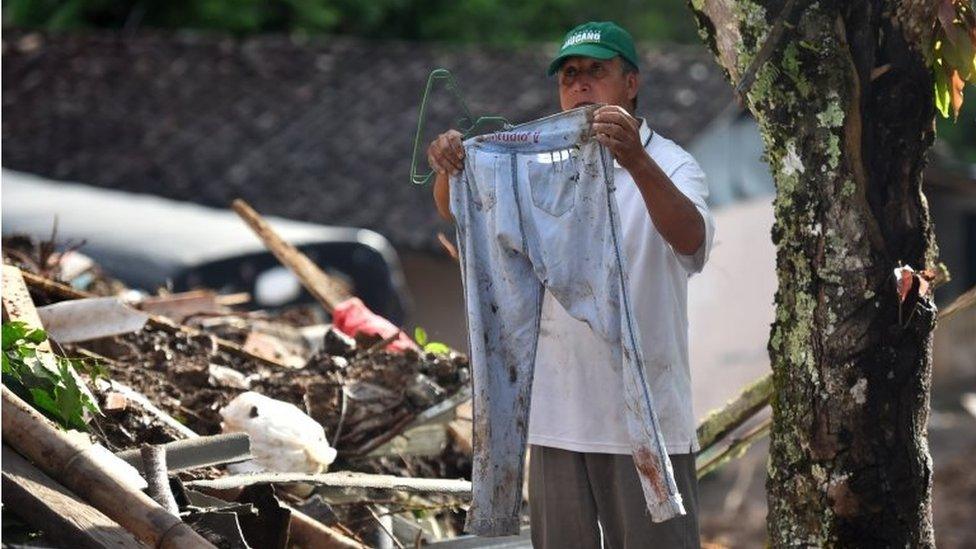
582 478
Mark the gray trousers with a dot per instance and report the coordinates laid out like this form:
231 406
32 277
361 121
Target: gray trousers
570 492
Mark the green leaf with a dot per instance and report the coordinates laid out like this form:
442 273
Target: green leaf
12 333
943 94
420 336
437 348
36 335
46 381
44 401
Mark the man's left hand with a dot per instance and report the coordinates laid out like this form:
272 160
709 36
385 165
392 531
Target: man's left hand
616 129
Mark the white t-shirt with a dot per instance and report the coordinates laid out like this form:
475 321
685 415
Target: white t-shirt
577 395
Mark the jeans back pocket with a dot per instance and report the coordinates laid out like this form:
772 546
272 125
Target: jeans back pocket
554 178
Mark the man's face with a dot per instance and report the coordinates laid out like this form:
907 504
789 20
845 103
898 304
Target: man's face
586 80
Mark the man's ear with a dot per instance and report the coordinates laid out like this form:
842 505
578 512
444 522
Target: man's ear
633 84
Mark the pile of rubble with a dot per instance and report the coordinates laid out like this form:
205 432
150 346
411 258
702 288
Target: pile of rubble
253 410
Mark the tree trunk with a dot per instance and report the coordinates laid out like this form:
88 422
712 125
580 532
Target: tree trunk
845 106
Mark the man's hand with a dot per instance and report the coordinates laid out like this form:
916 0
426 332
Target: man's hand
446 154
616 129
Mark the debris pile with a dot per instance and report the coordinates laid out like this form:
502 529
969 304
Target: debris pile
349 432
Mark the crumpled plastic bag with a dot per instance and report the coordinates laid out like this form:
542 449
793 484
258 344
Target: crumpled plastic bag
283 438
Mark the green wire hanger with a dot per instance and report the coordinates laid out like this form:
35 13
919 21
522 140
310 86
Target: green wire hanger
467 124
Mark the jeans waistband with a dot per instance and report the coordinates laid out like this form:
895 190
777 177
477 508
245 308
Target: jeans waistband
553 133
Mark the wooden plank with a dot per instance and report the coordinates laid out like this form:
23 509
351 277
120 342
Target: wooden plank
18 305
325 290
44 504
17 302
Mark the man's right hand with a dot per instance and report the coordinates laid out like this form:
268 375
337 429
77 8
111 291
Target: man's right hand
446 154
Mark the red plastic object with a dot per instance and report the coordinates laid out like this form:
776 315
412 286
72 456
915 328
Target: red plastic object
352 317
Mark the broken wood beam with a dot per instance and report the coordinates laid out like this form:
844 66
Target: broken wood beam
344 479
326 291
50 507
388 435
68 460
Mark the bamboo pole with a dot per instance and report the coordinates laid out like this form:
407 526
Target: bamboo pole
68 461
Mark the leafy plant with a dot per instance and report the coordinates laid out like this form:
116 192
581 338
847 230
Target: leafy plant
954 54
47 381
435 347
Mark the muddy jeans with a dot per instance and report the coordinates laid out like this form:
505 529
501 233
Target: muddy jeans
534 209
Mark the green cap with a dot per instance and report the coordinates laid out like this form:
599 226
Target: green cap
598 39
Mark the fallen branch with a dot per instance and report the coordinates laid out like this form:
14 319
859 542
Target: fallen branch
342 480
68 460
